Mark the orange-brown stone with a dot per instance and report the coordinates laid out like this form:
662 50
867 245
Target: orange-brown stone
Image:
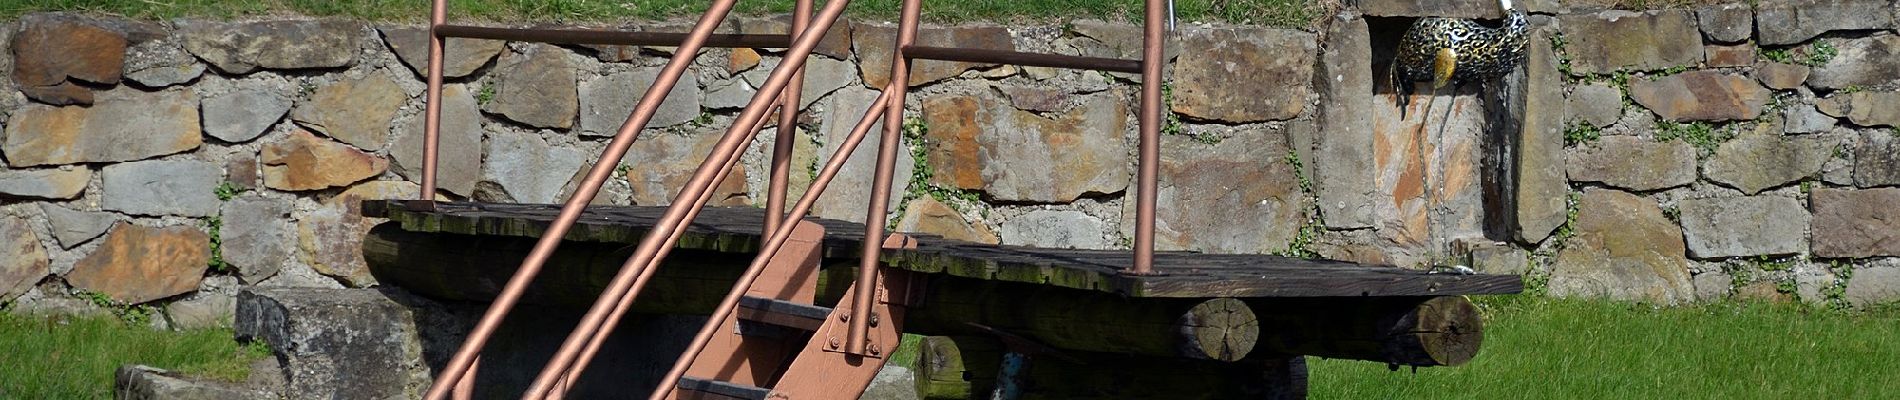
22 260
137 264
306 162
741 60
954 129
52 51
927 215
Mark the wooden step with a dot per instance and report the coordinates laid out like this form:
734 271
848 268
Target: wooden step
782 313
700 388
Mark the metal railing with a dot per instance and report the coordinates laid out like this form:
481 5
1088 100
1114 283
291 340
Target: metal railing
781 89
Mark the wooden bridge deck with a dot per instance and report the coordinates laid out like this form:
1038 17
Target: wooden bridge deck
1182 274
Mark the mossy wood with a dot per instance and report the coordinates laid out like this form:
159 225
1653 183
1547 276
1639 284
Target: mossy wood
1181 274
1412 330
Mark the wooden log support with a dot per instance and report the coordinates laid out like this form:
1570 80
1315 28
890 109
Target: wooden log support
966 367
1415 331
1421 331
1221 329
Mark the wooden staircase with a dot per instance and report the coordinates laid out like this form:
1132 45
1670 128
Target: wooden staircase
779 345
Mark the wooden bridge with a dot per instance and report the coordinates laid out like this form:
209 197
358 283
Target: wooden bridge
805 308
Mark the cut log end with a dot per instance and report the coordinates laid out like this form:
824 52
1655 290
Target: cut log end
1222 329
1449 330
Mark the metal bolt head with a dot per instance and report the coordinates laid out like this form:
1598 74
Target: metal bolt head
874 319
833 342
844 316
876 349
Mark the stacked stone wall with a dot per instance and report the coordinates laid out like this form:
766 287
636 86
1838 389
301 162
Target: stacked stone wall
1669 155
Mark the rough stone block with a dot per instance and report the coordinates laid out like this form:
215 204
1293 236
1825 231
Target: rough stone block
1867 61
1061 229
873 45
1607 41
1701 96
1625 249
1542 192
1274 65
1259 195
927 215
461 56
243 115
137 264
337 343
22 259
1877 159
303 161
458 144
1785 22
1855 223
845 198
54 52
72 227
239 48
1343 170
1874 286
1765 159
1596 104
524 168
161 63
1872 109
606 103
660 165
1726 23
1744 226
256 236
1721 55
355 111
1780 76
540 90
66 183
977 142
137 126
139 382
162 187
1634 163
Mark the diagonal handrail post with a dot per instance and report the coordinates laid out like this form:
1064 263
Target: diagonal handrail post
703 178
584 193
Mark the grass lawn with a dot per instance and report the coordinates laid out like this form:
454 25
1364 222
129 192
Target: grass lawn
75 357
1267 12
1540 348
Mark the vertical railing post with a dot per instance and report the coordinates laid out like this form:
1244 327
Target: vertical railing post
787 128
881 185
432 102
1150 152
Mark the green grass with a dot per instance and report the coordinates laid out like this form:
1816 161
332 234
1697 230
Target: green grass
1292 13
1540 348
75 357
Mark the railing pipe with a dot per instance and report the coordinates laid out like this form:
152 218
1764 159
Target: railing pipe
586 36
787 130
866 285
584 193
432 102
773 243
703 179
626 302
1150 152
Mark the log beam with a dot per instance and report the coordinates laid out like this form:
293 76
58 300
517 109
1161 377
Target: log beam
1420 331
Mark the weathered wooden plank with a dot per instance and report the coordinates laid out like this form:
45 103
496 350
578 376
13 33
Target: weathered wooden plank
1182 274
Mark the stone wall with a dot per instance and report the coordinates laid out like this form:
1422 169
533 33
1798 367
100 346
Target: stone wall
1669 155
